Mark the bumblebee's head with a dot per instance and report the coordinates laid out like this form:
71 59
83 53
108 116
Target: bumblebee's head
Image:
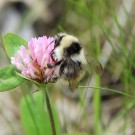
66 46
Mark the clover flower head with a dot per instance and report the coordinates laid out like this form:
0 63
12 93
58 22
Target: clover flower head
32 61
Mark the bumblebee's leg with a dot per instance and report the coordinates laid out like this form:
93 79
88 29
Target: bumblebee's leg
54 65
53 79
50 65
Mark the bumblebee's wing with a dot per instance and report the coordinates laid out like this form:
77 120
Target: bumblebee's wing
94 65
73 84
73 76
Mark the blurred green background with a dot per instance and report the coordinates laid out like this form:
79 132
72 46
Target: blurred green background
106 29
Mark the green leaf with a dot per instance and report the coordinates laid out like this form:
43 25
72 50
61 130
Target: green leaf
35 119
10 83
8 79
7 71
12 43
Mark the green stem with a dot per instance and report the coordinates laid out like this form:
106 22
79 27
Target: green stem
50 113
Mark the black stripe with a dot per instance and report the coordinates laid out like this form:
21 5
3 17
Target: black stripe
74 48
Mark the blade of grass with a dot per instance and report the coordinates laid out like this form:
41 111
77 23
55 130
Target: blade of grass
111 90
